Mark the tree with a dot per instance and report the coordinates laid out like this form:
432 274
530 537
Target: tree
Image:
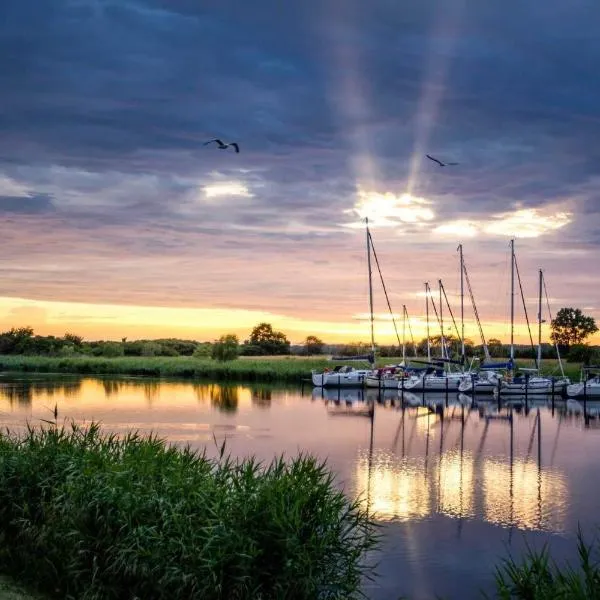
495 347
271 342
313 345
75 340
226 348
571 326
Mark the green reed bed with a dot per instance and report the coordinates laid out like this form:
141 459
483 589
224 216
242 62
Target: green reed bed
282 369
89 515
263 370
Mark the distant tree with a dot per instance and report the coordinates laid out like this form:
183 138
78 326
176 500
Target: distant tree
495 347
203 350
226 348
112 349
582 353
571 326
270 341
313 345
75 340
151 349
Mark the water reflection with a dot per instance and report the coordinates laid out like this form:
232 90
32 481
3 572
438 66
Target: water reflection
412 456
22 391
449 478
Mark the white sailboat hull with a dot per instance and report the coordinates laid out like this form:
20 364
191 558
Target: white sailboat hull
351 379
485 383
576 390
434 383
385 383
535 385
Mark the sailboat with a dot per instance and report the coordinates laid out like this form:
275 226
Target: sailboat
531 382
487 378
436 378
347 376
588 387
389 376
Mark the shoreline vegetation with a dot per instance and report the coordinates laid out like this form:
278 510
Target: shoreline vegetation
276 369
85 514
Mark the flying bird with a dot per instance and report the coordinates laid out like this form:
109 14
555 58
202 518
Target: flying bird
222 145
439 162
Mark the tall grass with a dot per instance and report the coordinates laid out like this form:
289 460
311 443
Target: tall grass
88 515
537 577
259 370
281 369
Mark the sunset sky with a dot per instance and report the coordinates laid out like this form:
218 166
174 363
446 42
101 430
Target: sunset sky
116 221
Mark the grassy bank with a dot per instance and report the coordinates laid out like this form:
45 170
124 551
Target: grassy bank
91 516
288 369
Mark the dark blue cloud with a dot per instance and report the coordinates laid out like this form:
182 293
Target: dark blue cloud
104 106
31 204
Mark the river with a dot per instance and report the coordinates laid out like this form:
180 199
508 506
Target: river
455 487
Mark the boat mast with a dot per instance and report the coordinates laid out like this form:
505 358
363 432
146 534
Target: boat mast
540 321
372 318
427 320
442 340
404 334
462 303
512 300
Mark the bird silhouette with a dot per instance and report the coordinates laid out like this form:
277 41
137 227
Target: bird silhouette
222 145
439 162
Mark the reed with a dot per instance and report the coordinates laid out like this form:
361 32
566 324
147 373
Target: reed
89 515
538 577
288 369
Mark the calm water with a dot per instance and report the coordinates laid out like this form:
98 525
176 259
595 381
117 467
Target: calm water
455 487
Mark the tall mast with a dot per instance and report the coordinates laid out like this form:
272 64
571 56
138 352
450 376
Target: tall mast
372 318
427 319
462 303
512 299
442 340
404 334
540 321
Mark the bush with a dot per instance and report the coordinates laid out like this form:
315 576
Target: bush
111 349
91 516
581 353
225 348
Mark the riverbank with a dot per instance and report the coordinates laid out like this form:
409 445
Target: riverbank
284 369
82 512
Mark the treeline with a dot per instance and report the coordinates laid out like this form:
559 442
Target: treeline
264 341
23 340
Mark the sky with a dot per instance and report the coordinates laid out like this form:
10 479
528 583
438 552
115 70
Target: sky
116 220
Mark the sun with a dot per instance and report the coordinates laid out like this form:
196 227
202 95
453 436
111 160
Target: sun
386 209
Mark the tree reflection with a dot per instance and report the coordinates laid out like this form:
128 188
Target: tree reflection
23 393
225 398
261 397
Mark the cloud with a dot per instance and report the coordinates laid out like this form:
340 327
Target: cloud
388 210
232 188
525 223
105 107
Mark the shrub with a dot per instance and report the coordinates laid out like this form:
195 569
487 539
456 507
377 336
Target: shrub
226 348
91 516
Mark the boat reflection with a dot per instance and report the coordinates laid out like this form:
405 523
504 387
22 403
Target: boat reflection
438 466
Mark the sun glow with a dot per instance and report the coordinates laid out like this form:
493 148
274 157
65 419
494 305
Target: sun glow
226 188
390 210
527 223
459 229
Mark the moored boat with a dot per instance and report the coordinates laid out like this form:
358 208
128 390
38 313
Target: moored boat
340 376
